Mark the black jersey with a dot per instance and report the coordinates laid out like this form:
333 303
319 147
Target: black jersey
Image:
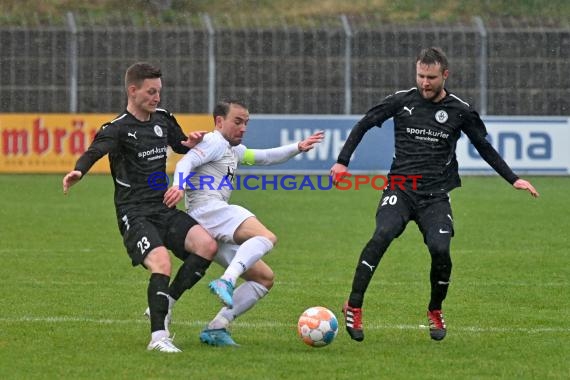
426 135
136 149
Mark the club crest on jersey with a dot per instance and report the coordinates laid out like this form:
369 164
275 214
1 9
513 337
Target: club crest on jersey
158 130
441 116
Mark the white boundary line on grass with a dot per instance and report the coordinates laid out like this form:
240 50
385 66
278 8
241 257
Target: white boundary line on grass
468 329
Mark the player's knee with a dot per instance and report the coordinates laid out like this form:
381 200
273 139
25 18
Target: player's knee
271 237
441 260
384 234
268 239
158 261
262 274
439 249
209 248
201 243
267 279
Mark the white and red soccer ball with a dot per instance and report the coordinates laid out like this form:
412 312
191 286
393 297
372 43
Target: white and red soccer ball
317 326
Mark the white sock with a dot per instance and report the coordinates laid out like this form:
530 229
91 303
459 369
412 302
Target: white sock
171 302
158 335
247 254
245 297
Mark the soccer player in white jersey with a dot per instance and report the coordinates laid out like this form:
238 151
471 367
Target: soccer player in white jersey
206 173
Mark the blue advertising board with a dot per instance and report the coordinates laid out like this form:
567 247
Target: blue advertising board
266 131
530 145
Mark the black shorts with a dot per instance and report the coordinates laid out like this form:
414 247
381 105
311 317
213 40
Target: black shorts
142 232
431 212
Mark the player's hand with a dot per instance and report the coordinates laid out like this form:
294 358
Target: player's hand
337 171
309 142
172 196
71 179
194 138
522 184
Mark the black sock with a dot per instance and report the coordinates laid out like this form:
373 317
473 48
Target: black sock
439 279
367 264
191 271
158 300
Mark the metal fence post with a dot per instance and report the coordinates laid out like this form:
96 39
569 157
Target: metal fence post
73 65
211 61
482 65
347 66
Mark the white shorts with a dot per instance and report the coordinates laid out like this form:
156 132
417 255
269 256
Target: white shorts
220 219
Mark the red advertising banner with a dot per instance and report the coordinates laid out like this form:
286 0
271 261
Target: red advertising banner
51 143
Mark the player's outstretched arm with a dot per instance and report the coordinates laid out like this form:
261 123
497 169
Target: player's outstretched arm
522 184
71 179
309 142
193 139
272 156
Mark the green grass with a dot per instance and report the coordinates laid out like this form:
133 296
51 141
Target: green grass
71 304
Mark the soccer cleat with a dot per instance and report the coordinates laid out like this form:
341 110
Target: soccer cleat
163 345
217 337
224 290
353 321
167 319
437 329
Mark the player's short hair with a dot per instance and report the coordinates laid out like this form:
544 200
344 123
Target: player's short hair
432 56
138 72
222 108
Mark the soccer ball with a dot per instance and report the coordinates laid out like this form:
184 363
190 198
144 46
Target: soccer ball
317 326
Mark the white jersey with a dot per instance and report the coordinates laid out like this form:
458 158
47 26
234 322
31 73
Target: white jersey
213 164
207 173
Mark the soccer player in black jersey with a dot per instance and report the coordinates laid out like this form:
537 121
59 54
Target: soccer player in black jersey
428 121
136 142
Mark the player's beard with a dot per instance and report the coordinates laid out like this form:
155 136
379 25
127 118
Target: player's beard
433 93
234 141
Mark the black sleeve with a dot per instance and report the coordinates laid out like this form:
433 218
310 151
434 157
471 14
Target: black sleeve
475 129
374 117
105 141
176 135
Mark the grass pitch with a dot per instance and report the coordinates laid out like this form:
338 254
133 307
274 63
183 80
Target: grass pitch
71 304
